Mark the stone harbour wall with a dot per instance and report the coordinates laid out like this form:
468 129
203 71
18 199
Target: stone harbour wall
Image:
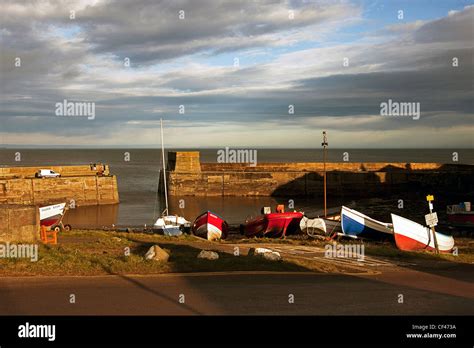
306 179
19 223
81 184
29 172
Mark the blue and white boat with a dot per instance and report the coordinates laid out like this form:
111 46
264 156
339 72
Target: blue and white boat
355 224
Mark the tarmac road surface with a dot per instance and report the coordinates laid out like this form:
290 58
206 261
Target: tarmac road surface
237 293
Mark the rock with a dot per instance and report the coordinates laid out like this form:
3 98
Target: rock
208 255
157 254
260 251
272 256
266 254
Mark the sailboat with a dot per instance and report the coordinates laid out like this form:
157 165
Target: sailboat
169 225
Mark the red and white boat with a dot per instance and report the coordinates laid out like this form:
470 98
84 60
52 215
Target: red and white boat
460 214
410 236
273 225
210 226
52 214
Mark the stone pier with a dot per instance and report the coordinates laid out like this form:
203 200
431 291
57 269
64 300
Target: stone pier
85 185
187 176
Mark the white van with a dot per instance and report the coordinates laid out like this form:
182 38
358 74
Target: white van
47 173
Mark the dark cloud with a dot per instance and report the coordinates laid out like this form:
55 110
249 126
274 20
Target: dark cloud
458 26
150 31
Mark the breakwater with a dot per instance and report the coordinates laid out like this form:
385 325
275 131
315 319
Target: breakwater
83 185
187 176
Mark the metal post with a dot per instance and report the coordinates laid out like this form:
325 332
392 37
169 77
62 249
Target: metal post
430 198
324 145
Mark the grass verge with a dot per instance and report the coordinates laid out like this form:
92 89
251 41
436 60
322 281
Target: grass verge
100 253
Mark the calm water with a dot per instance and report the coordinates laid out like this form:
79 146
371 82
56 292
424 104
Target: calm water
138 180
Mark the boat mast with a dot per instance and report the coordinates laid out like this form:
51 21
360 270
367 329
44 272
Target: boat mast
324 145
165 212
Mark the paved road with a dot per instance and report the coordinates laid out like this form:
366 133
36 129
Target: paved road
243 293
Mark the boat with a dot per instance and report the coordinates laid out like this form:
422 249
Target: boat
169 225
460 214
320 226
51 215
273 225
358 225
410 236
210 226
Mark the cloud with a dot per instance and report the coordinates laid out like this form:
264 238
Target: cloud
457 26
151 31
190 62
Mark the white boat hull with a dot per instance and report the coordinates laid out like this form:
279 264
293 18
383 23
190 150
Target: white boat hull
356 224
51 210
411 236
210 231
171 225
319 226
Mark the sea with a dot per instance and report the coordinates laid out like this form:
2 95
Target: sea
137 172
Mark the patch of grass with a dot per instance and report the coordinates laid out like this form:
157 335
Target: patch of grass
293 240
99 252
85 252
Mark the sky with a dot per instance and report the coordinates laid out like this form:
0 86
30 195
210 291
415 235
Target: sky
237 73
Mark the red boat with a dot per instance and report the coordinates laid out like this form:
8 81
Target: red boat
52 214
411 236
273 225
210 226
461 214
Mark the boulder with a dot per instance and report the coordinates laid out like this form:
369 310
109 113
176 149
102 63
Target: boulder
266 254
208 255
157 254
272 256
260 251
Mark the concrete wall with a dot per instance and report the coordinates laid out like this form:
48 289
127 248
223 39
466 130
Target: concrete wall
87 189
306 179
19 223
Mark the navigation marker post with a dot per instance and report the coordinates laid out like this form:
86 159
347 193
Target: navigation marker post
432 220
